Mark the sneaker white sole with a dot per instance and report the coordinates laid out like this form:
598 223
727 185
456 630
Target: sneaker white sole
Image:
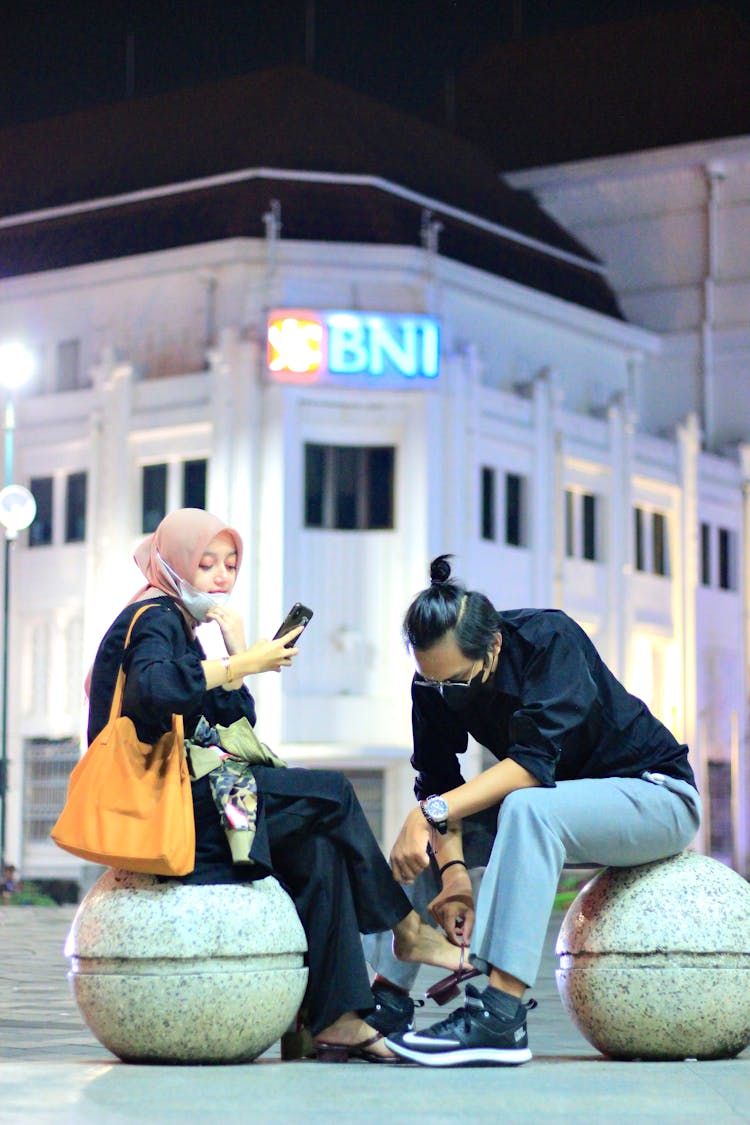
465 1056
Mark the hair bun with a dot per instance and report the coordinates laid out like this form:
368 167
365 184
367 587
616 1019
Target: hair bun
440 569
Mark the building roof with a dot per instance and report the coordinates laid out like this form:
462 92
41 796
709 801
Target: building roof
202 163
667 78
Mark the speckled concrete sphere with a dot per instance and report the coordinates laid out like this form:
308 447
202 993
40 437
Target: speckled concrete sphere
655 960
171 973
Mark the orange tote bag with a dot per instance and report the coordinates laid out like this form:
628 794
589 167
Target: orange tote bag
129 804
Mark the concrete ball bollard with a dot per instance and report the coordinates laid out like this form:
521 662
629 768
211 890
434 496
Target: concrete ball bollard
166 972
655 960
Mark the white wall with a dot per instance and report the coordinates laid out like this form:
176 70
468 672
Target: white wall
672 227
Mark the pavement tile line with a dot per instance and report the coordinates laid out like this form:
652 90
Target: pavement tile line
52 1069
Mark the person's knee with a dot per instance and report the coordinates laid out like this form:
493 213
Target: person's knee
519 803
527 809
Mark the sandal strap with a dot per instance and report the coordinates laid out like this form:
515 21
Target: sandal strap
368 1042
351 1046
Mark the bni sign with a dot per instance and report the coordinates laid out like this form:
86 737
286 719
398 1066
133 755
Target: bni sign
345 347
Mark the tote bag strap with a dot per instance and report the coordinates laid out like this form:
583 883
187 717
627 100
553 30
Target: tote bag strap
115 709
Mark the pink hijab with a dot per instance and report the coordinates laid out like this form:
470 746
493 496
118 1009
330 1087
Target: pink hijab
181 540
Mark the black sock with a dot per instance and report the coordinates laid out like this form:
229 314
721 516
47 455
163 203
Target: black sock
501 1004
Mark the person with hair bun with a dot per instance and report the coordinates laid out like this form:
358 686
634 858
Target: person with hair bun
585 775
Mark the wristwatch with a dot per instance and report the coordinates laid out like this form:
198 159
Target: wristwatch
435 810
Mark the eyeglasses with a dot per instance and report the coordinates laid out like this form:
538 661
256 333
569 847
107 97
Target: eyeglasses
449 689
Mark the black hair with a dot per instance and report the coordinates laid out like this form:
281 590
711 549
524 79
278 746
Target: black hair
447 605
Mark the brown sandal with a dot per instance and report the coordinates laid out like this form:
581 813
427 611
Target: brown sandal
447 988
342 1052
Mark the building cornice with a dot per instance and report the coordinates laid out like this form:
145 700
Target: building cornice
207 183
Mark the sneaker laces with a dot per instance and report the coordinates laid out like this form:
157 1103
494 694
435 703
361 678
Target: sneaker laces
472 1004
460 1015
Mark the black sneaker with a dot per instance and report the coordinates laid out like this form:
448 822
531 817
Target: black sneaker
394 1010
470 1036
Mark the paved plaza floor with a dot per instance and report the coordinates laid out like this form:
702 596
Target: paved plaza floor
52 1069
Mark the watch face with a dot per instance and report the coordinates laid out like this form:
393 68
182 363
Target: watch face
436 808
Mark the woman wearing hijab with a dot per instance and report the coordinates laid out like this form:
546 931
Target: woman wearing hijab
252 816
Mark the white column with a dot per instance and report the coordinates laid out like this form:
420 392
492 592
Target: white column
620 536
685 585
234 476
219 493
270 546
714 177
111 576
547 491
741 782
457 479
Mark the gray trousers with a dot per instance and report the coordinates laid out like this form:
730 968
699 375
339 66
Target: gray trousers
607 822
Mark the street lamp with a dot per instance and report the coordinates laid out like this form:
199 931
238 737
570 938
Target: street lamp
17 510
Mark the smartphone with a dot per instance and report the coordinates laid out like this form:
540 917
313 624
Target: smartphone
298 615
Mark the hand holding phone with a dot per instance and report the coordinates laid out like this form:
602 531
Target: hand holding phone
298 615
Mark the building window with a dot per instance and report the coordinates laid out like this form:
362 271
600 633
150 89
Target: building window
727 565
659 543
379 486
581 525
75 508
47 765
720 810
194 484
369 788
153 497
705 554
640 555
651 541
40 531
69 365
514 513
488 503
314 484
159 482
349 487
589 525
570 525
515 510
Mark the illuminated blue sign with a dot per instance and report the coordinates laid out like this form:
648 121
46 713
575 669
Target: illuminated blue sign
306 346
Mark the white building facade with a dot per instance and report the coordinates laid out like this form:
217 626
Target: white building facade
672 226
526 452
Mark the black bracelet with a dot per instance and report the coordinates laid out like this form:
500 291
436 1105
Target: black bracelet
450 864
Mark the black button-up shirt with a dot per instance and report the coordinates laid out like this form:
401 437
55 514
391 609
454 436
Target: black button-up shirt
552 705
163 674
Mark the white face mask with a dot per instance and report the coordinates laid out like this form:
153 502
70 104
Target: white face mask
196 602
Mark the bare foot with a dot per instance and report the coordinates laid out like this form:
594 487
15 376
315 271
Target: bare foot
351 1031
414 940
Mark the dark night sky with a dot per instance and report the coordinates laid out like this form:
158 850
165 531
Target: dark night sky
57 57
